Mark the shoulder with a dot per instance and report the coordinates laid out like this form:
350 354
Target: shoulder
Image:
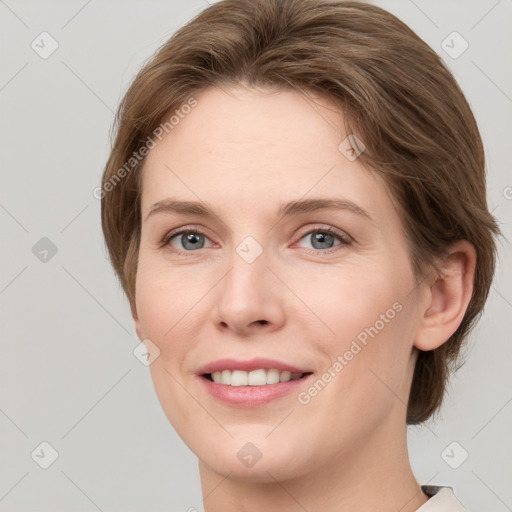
441 499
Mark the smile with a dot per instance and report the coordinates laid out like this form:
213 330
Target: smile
259 377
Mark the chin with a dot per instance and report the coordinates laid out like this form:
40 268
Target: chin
261 472
258 461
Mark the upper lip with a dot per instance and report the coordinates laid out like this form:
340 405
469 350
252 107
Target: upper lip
248 365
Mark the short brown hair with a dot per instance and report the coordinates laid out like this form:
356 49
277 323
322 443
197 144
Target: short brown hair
395 93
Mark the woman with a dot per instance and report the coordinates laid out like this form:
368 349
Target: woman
295 207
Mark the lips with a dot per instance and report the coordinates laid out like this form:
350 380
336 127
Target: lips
251 383
249 396
249 365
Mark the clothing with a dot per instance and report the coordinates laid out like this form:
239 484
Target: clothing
441 499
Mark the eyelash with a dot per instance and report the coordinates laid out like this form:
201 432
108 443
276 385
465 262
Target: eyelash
344 239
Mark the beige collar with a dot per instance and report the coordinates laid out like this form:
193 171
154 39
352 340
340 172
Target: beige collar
441 499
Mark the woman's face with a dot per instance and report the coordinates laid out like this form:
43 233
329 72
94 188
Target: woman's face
261 284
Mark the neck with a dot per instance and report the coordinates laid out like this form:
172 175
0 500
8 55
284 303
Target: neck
375 477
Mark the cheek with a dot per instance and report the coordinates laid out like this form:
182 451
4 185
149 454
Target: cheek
165 308
165 299
351 301
370 315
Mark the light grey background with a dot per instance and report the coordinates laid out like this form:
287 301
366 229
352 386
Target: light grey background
68 373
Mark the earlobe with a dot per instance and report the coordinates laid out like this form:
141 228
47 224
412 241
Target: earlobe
447 297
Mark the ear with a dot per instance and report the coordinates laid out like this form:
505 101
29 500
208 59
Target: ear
446 296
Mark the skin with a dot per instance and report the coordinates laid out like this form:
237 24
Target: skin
244 151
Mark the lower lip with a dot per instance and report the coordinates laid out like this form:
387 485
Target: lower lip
252 396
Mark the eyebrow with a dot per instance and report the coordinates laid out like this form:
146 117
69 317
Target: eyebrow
287 209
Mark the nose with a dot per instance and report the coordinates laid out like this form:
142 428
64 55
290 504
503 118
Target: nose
250 298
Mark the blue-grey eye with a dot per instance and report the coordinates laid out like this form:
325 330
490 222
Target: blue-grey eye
189 240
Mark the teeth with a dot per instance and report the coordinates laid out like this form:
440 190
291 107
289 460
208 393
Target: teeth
239 378
272 376
285 376
255 378
259 377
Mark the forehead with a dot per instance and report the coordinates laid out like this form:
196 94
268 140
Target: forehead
257 147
